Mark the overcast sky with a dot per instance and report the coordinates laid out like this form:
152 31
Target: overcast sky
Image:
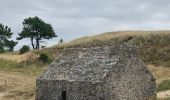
75 18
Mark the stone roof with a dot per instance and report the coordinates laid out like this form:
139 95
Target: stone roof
87 64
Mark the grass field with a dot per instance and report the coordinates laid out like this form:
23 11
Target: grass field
18 72
16 86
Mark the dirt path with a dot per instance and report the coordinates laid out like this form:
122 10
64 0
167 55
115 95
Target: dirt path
164 94
16 86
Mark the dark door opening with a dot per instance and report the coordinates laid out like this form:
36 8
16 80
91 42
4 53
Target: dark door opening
63 95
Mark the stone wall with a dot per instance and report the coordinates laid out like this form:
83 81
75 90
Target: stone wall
110 73
52 90
130 79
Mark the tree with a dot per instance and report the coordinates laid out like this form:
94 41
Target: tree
36 29
61 40
5 35
11 44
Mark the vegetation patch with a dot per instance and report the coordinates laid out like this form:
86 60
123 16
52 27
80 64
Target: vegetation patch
165 85
22 67
24 49
44 58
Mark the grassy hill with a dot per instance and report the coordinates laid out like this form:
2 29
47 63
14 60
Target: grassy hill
153 46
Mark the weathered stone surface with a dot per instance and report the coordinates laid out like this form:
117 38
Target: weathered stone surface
109 73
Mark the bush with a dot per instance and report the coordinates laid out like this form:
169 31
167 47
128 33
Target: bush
165 85
2 51
24 49
44 58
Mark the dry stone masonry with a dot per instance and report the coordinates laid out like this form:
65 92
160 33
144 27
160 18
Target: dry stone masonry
102 73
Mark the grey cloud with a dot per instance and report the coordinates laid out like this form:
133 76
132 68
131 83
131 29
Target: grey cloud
75 18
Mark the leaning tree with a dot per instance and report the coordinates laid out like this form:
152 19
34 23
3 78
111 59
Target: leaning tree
37 30
5 43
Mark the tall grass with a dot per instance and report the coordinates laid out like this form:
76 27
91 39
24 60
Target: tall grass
110 38
19 57
153 46
22 67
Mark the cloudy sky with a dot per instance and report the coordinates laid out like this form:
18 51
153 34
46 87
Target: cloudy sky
75 18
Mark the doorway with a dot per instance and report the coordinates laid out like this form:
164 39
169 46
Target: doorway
63 95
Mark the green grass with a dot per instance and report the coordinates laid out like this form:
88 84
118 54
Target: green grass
22 67
164 99
165 85
167 99
153 46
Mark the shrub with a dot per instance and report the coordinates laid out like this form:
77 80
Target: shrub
2 51
44 58
165 85
24 49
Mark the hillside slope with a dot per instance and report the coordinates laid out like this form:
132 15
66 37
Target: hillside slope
153 46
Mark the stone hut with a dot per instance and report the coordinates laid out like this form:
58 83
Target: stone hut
100 73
